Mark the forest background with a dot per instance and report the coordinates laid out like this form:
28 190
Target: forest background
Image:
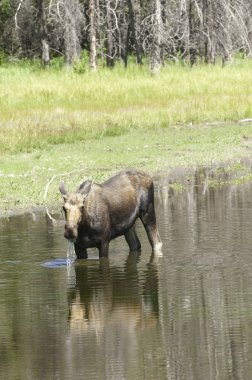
112 30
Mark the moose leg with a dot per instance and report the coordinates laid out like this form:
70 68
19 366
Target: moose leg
103 248
148 219
80 252
132 240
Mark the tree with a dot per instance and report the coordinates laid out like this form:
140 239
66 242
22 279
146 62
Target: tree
156 38
92 34
208 31
42 32
133 30
72 17
110 14
113 29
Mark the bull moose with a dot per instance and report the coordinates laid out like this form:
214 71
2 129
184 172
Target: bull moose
98 213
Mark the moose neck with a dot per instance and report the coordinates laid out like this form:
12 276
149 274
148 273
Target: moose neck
91 202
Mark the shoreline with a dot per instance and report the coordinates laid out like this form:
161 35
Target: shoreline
178 179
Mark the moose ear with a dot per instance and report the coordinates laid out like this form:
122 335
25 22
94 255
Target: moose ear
84 188
63 190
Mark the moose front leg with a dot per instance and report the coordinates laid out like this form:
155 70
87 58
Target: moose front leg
80 252
103 248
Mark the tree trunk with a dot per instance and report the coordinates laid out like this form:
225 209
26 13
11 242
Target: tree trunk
42 33
132 29
110 42
157 37
92 34
226 42
209 43
45 53
192 33
72 18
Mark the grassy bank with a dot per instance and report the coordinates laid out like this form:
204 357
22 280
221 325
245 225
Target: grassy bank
24 176
90 125
51 107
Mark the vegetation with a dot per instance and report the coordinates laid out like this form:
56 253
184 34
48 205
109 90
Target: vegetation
112 30
52 107
55 122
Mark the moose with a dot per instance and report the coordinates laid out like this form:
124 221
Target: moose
98 213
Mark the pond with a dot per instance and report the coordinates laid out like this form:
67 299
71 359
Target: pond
187 315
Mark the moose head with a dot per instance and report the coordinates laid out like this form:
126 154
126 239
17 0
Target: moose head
74 208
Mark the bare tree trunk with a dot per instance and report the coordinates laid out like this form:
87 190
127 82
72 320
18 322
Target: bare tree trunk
192 32
42 33
225 36
126 47
157 37
45 53
72 19
209 43
247 16
110 42
100 32
132 28
92 34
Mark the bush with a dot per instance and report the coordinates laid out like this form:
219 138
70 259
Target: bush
80 66
3 57
57 63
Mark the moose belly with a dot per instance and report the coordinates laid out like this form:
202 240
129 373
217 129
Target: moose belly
122 221
87 241
121 229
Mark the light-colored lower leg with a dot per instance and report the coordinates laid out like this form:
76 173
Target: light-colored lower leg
157 249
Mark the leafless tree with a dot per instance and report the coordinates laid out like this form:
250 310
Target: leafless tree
92 34
68 19
42 32
157 38
110 30
134 30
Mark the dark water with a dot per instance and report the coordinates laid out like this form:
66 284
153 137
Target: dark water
188 316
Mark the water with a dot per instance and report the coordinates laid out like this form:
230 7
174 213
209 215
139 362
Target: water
185 316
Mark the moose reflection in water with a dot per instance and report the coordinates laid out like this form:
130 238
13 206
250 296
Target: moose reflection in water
114 318
106 299
98 213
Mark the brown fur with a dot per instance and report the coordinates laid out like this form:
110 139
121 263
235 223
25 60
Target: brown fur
98 213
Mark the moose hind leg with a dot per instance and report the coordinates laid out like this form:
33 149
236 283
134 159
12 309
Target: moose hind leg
132 240
148 219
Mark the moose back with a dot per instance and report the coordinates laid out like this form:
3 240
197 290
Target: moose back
98 213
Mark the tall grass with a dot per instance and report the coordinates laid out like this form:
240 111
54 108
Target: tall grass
40 107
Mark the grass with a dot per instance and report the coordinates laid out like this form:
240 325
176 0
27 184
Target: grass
56 122
24 176
53 107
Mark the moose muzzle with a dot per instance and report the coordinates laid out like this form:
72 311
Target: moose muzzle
71 232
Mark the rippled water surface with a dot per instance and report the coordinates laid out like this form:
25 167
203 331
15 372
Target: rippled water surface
186 316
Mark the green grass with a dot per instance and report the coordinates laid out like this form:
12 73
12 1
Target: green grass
57 121
53 107
24 176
